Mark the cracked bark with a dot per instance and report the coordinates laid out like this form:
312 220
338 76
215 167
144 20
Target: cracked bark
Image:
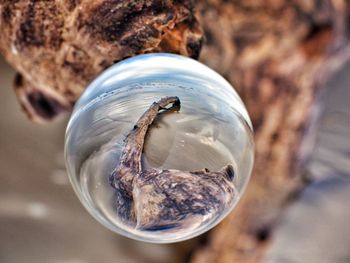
58 47
278 54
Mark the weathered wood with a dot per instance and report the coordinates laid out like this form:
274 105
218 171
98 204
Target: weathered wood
58 47
277 53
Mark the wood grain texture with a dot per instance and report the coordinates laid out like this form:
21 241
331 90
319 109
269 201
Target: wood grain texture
59 46
278 54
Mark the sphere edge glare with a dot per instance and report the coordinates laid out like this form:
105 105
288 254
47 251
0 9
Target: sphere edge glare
122 72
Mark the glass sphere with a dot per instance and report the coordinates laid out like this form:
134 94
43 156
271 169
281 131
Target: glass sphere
159 148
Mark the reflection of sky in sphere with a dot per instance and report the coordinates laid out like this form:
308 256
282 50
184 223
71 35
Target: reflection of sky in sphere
168 67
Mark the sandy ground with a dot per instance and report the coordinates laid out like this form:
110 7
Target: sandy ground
41 219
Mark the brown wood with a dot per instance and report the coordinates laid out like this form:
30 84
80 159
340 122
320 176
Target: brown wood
277 53
58 47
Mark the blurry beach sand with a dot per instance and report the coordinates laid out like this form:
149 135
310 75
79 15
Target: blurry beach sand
41 219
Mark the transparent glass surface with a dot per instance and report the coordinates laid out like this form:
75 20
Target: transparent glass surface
211 131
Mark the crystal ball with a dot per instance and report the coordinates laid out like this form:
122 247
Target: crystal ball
159 148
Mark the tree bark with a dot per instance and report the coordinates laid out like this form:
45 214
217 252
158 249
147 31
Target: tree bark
278 54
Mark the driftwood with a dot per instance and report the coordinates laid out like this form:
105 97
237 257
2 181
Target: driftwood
279 56
146 199
58 47
277 53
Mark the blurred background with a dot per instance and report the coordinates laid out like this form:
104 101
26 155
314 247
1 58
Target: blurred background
41 219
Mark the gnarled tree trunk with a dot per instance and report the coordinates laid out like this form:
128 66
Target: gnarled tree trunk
277 53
